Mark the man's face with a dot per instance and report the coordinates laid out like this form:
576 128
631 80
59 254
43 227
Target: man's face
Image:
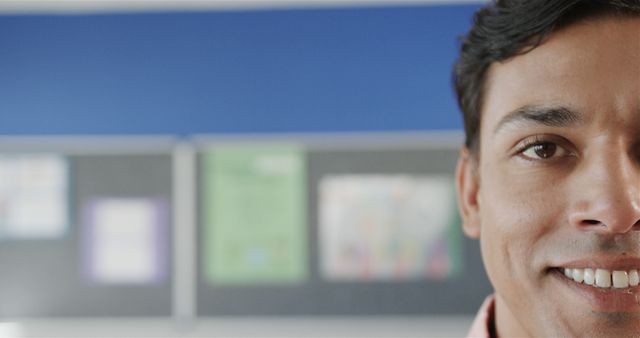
557 182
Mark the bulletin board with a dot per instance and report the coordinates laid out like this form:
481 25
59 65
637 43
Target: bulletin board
104 248
382 275
283 225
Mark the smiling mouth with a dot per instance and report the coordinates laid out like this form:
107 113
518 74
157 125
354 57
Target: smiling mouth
603 278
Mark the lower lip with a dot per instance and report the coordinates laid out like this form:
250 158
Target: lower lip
604 299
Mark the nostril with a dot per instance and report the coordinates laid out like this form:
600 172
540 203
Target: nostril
636 226
591 222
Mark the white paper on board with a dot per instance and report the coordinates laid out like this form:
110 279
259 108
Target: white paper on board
123 241
33 196
384 227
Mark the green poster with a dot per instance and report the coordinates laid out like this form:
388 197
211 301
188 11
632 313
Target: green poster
255 215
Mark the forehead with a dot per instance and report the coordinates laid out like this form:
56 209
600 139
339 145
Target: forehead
591 66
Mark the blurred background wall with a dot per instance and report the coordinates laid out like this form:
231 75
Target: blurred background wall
133 100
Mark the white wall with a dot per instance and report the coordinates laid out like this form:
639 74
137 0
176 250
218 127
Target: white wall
415 326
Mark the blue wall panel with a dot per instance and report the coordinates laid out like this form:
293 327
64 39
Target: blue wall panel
366 69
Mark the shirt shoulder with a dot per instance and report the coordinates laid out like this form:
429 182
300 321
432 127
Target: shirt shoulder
481 327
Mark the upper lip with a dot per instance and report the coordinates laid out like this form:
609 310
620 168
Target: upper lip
610 263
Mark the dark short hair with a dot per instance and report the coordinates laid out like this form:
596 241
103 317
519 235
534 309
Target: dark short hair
506 28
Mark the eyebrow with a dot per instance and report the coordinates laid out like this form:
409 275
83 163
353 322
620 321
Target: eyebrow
543 115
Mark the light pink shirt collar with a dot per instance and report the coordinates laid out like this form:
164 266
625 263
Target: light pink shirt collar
484 320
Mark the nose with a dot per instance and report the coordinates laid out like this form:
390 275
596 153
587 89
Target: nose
608 196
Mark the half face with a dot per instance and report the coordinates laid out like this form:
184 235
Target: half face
556 187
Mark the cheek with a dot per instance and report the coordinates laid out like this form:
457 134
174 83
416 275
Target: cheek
522 201
518 216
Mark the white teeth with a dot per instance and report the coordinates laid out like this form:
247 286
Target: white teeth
634 279
589 276
620 279
568 273
603 278
578 275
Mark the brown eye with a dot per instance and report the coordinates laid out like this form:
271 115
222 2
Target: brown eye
545 150
541 151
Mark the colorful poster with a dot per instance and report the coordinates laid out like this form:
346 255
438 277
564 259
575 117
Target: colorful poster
255 215
125 240
388 227
33 196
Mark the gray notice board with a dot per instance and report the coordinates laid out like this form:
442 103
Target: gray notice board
316 295
48 278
